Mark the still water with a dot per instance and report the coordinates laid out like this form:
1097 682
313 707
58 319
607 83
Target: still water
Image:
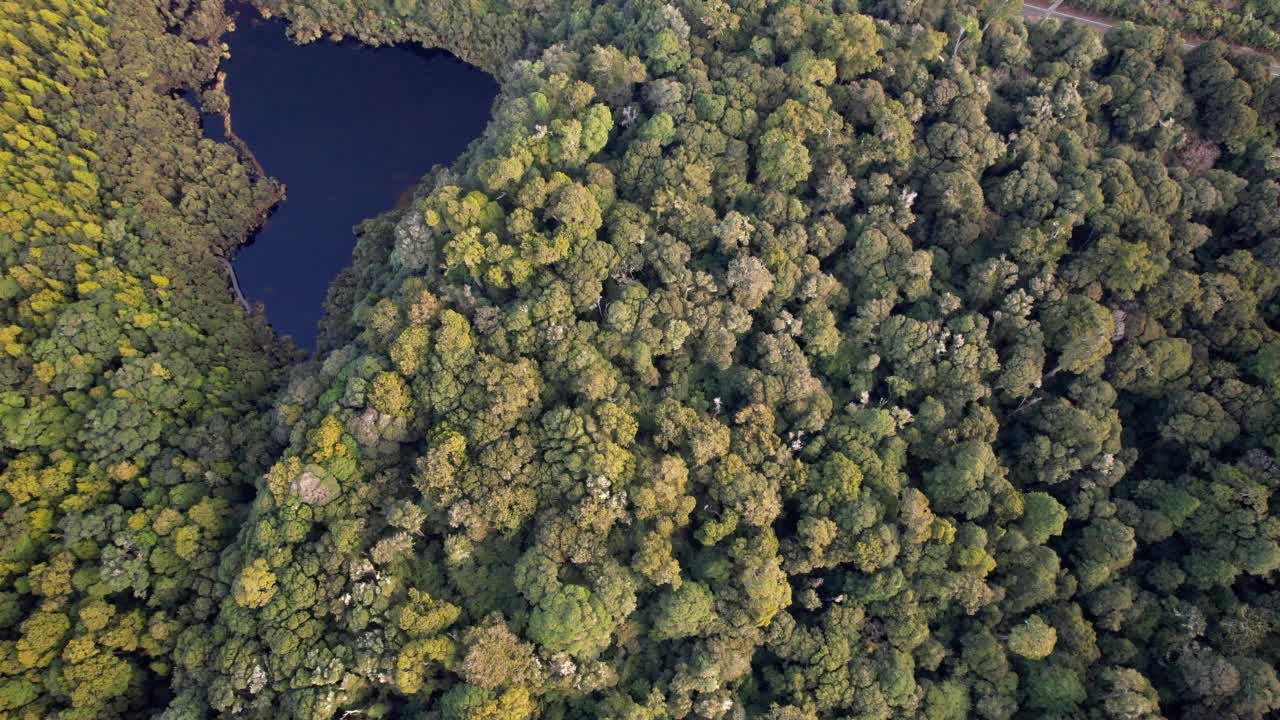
347 129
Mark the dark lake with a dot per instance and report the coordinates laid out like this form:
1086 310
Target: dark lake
348 129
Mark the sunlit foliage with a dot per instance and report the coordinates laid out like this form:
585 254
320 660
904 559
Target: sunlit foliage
759 360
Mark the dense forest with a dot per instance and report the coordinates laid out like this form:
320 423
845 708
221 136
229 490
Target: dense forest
132 385
766 359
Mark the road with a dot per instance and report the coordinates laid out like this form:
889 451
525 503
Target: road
1101 22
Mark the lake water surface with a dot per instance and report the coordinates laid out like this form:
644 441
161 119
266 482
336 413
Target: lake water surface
348 129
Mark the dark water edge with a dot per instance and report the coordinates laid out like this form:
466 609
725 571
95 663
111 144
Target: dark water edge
347 129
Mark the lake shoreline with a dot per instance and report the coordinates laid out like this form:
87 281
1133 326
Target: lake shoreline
343 132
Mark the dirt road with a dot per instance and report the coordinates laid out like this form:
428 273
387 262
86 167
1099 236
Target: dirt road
1103 23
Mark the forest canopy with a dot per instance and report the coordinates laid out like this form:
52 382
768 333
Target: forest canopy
781 360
